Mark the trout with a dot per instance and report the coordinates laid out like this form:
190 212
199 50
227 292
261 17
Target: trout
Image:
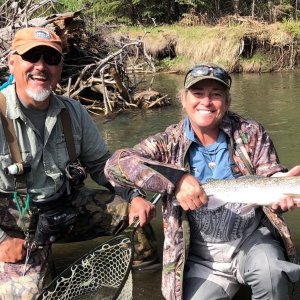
255 190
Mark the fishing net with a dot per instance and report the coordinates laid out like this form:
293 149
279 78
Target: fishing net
102 274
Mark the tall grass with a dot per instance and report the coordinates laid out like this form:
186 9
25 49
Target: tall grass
191 44
237 48
209 44
259 63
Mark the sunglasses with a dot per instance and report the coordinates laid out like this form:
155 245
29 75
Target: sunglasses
51 58
206 70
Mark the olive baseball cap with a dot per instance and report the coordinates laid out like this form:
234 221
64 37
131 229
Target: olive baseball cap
207 71
31 37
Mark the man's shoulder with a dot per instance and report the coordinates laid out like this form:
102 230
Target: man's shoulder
12 105
69 102
9 91
74 107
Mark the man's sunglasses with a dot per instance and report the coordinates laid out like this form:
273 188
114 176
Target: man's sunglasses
206 70
51 58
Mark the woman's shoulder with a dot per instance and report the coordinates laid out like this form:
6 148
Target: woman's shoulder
235 120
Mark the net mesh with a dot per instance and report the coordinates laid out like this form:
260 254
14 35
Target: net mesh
126 293
99 275
102 274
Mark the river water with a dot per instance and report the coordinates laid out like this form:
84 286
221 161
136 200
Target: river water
271 99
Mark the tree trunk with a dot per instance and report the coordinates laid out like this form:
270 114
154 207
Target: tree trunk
236 6
253 9
271 15
217 5
133 13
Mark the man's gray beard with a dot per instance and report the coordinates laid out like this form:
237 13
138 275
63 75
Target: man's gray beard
39 95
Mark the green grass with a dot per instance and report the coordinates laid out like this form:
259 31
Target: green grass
292 27
219 44
258 63
177 64
72 5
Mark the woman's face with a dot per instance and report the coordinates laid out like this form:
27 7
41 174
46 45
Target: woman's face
205 104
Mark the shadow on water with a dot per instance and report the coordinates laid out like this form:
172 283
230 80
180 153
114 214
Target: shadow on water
271 99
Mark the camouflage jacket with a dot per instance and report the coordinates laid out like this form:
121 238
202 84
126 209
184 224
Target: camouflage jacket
148 166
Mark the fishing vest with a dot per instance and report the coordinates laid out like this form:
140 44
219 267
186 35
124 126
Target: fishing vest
11 138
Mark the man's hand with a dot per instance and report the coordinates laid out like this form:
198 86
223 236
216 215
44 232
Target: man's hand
12 250
141 208
189 193
286 203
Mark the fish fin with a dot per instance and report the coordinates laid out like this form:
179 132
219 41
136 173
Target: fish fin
252 176
211 180
247 208
214 202
240 177
295 196
292 194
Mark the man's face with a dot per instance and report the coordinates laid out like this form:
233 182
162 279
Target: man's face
36 73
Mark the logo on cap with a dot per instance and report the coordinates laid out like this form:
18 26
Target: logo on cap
42 34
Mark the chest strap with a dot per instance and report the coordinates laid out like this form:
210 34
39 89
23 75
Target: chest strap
240 148
244 156
67 129
13 145
12 140
10 133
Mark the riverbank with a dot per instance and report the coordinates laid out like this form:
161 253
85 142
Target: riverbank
249 46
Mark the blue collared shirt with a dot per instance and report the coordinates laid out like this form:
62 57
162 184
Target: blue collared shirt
208 162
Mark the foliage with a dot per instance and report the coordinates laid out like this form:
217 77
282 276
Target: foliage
247 48
227 32
258 63
72 5
176 64
149 12
292 27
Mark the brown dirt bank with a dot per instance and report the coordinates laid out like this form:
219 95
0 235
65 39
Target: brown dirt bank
248 47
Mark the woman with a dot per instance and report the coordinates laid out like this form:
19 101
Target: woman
208 253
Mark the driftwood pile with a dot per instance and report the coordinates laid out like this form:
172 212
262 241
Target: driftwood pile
104 74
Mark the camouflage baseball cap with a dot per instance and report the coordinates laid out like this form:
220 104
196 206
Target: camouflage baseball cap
207 71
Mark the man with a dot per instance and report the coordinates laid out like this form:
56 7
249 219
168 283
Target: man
47 184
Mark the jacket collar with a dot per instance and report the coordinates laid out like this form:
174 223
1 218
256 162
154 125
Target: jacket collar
13 110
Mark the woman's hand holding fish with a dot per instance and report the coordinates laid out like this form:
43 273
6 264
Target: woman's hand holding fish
286 203
189 193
